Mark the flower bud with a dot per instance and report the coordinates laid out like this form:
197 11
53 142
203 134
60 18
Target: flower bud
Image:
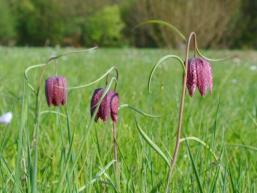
108 107
199 74
56 90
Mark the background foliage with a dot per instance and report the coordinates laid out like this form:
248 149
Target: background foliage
7 23
221 23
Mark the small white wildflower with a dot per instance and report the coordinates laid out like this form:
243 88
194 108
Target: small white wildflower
6 118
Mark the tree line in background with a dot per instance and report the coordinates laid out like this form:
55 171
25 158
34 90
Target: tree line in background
219 23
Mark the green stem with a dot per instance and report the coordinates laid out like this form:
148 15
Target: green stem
181 115
114 138
115 154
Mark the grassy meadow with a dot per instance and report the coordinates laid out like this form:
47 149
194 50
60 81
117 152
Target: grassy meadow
73 157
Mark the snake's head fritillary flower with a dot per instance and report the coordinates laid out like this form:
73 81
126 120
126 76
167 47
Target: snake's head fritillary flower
114 106
95 99
6 118
108 107
56 91
199 74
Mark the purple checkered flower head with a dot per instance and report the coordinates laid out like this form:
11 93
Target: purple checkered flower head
56 91
199 74
108 107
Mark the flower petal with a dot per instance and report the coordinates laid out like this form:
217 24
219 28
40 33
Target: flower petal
204 76
114 107
94 101
191 76
56 90
108 107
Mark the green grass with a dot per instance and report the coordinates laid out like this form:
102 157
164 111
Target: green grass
225 121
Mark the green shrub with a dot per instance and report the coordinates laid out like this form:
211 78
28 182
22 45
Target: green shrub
104 27
39 22
245 29
7 23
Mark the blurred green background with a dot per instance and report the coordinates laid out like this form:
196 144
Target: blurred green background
110 23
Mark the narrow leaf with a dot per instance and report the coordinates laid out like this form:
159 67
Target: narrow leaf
98 175
163 23
138 111
194 169
202 143
160 61
152 144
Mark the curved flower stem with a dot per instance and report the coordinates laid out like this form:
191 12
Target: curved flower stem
196 50
117 78
55 58
160 61
27 77
44 67
95 81
181 114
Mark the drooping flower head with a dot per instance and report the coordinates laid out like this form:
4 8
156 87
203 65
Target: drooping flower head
56 91
108 107
199 74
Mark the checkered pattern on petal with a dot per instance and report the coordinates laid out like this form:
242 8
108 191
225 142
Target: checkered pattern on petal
94 101
105 108
202 76
56 91
114 106
191 76
108 107
209 71
199 74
